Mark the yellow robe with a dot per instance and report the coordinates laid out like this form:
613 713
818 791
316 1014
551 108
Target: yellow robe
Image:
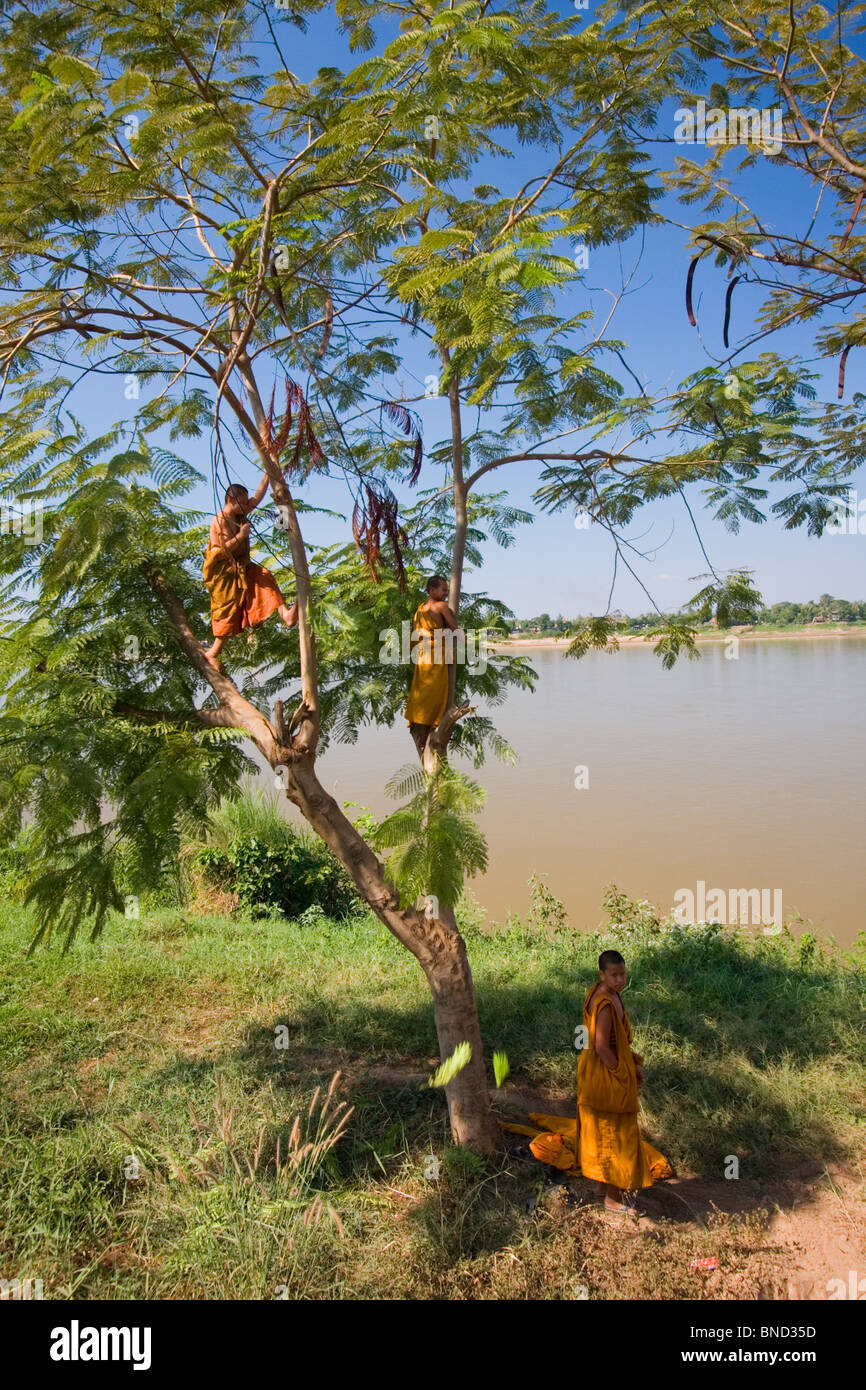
428 695
602 1143
242 593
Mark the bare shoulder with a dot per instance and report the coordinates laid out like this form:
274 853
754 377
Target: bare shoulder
222 530
441 607
601 997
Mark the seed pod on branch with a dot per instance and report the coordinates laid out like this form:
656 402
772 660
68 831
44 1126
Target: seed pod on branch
306 439
275 444
412 315
842 360
731 287
409 423
329 326
375 513
849 229
689 278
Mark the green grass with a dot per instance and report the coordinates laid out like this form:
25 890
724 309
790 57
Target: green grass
158 1043
791 629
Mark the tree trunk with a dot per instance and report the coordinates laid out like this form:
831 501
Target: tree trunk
456 1014
447 964
436 944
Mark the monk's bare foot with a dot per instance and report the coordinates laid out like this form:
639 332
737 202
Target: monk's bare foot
618 1201
217 665
611 1205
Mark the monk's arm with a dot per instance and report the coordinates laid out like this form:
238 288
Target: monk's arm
602 1039
449 617
236 542
258 494
220 538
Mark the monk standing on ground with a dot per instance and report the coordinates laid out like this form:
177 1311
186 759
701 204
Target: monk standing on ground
242 594
611 1149
428 696
604 1143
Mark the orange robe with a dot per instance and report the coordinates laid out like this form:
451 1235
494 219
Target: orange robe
242 594
428 695
604 1141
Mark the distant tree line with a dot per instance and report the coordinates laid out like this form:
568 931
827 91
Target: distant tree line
825 609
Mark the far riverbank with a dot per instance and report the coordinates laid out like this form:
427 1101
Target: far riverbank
747 634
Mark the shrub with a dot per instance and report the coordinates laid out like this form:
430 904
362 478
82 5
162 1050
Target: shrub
289 878
546 913
249 850
625 912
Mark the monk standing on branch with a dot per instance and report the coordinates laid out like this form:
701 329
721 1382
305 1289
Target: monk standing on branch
242 594
433 654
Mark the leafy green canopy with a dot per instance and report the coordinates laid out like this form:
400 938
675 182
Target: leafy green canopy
248 848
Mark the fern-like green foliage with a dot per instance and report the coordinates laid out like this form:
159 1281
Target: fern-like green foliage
448 1069
595 635
434 841
83 642
731 599
102 273
675 638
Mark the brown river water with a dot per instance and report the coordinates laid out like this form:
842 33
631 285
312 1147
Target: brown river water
743 775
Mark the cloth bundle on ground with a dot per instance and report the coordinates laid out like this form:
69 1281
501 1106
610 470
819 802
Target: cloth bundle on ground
242 594
603 1141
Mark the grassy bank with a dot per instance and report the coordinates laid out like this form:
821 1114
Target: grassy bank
151 1083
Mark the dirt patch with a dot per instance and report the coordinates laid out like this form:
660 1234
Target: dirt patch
89 1064
824 1227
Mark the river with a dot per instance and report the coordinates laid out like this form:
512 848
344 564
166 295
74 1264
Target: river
739 774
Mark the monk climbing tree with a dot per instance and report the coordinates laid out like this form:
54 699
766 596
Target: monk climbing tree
242 593
429 692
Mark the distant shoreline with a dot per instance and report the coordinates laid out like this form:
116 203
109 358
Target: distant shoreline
637 639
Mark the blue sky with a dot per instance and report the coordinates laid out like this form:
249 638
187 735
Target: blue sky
554 565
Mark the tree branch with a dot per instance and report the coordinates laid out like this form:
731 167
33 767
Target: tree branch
239 712
219 718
